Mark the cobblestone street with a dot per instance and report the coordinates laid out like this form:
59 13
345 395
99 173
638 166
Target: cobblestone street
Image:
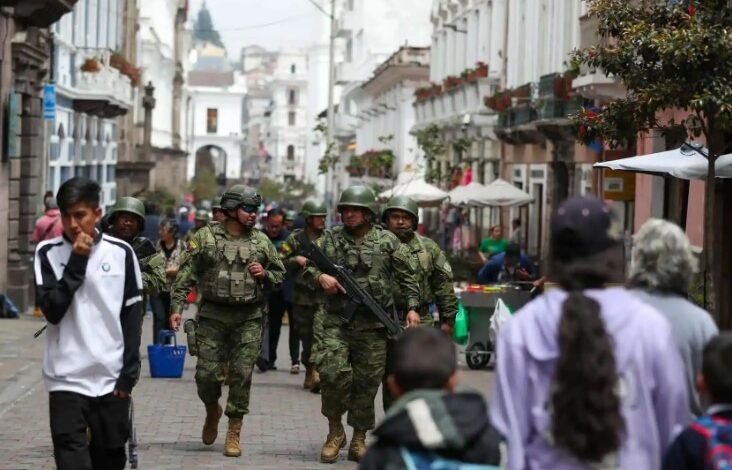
284 430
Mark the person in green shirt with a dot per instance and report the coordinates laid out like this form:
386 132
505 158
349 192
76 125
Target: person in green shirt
493 244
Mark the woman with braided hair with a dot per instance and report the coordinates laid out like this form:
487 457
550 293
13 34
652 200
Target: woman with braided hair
588 376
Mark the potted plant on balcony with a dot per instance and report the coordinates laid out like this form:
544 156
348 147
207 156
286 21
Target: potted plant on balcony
481 70
436 89
523 92
91 65
562 87
452 82
355 166
423 93
467 75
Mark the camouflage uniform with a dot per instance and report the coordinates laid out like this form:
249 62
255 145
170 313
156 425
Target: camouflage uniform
152 269
434 276
353 356
232 306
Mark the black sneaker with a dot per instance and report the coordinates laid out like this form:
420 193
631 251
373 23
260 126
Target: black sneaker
262 364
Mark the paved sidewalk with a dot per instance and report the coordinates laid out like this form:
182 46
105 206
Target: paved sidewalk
283 431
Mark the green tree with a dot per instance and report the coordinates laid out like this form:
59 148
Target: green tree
271 190
204 185
673 55
203 28
429 142
163 200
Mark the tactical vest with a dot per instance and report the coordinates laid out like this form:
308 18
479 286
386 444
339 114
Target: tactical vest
228 280
366 262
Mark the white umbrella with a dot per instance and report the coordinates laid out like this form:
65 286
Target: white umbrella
425 194
467 195
503 194
684 162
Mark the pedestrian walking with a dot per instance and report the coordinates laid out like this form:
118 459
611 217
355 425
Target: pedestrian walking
430 266
49 224
234 267
661 270
171 248
354 354
431 425
707 443
279 301
587 376
89 288
127 222
306 299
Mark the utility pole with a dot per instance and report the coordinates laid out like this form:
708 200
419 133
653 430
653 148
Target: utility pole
329 178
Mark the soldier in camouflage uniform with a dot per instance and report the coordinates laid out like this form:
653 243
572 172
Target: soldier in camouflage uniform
354 354
126 221
218 214
306 299
429 263
234 266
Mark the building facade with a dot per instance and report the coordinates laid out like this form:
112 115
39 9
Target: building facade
25 52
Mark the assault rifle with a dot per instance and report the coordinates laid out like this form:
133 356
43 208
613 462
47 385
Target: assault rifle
357 295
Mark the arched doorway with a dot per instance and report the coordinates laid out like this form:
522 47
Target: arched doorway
211 159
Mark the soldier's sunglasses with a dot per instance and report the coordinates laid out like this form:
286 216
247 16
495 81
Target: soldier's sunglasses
249 209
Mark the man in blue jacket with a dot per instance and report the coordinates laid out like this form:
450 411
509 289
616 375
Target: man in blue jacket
509 266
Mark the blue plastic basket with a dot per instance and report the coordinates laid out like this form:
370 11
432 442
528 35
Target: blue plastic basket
166 360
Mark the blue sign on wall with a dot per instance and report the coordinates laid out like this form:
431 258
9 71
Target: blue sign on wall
49 102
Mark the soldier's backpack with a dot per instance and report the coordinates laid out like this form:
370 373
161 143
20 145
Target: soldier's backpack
421 460
718 433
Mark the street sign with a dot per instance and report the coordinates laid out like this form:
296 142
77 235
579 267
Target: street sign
49 102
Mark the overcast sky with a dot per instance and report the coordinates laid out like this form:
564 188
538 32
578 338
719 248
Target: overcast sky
244 22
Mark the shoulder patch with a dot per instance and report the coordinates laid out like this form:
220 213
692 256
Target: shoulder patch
285 248
191 245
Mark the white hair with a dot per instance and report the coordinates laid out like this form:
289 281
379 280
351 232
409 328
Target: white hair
662 258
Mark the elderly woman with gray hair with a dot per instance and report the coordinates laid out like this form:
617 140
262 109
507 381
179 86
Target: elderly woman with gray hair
661 271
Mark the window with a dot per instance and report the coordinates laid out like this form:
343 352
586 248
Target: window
212 120
290 152
291 118
293 69
292 97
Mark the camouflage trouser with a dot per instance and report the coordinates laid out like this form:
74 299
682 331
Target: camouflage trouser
303 317
351 368
316 348
219 343
386 397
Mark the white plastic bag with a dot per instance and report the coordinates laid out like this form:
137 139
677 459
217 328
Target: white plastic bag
501 315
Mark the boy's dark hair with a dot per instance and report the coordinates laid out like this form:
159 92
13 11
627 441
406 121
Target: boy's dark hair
78 189
424 358
276 211
717 368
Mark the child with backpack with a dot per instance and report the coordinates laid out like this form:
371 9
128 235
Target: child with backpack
707 443
431 425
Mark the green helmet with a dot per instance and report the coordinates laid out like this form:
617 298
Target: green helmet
130 205
403 203
203 216
240 195
290 215
358 196
313 207
216 204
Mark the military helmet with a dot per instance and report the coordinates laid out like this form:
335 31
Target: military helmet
402 203
202 215
240 195
290 215
313 207
216 204
358 196
130 205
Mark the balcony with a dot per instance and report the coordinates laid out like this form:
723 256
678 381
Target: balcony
554 116
594 84
345 73
99 88
345 24
447 109
40 13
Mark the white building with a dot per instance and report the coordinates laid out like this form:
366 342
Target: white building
387 115
276 113
370 31
92 92
217 96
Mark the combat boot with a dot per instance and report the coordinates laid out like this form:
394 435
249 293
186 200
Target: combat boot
211 425
335 442
308 383
316 381
231 446
358 446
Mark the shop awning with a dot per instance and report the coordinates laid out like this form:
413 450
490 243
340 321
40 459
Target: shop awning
426 195
501 193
